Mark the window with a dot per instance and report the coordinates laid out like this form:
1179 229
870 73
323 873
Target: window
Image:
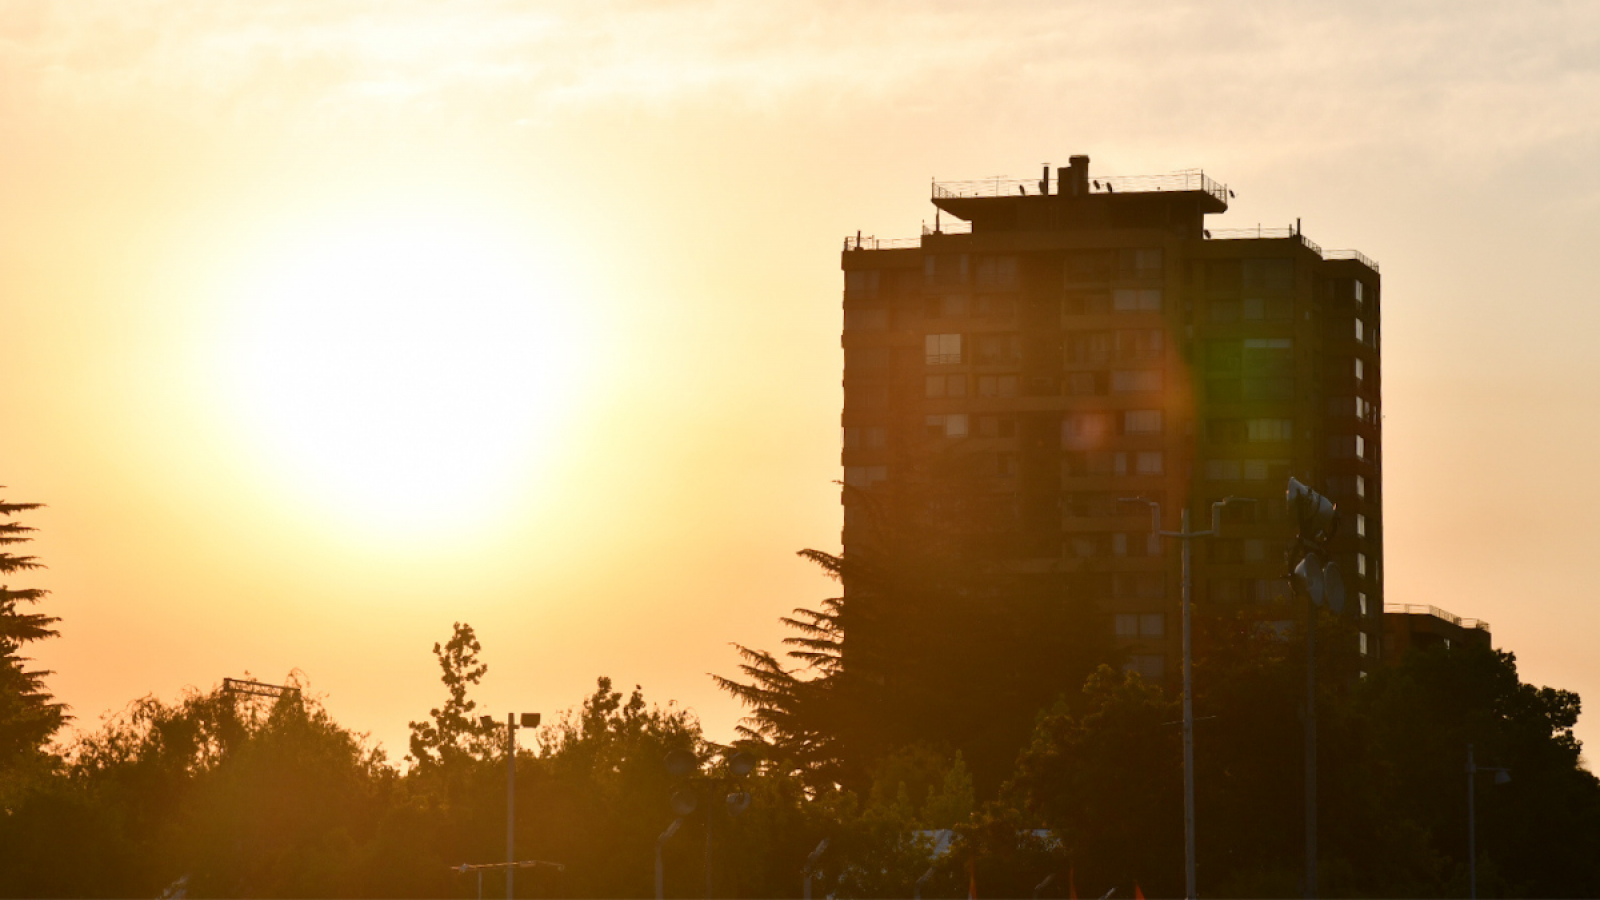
866 358
1362 637
997 349
1129 381
1255 550
861 284
1361 601
1089 346
997 385
944 268
1084 429
997 426
1136 300
1361 564
1152 624
1141 421
997 305
1143 585
1086 303
946 386
1148 462
1361 447
865 319
1088 265
1268 276
1361 525
946 305
1005 464
1085 383
866 396
870 437
1359 335
865 476
942 349
1148 666
948 425
997 271
1360 372
1126 624
1269 430
1361 486
1140 344
1222 470
1139 262
1224 590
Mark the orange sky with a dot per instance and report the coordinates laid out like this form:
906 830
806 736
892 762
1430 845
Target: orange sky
615 482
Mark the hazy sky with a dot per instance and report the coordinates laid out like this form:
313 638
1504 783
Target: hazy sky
267 445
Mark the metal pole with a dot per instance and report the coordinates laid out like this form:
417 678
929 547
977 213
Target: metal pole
511 804
711 810
480 884
661 877
1311 749
1472 831
1188 718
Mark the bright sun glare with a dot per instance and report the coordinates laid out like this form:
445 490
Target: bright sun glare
410 368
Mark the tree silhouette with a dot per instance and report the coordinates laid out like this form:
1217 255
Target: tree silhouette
29 715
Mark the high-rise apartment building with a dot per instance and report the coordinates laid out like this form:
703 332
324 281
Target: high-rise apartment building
1068 345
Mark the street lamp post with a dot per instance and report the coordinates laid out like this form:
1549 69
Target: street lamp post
684 765
528 720
1187 537
1501 776
1318 519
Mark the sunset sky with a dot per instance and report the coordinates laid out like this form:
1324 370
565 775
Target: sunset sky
275 433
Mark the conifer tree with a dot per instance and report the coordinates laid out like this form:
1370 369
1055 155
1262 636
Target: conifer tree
29 715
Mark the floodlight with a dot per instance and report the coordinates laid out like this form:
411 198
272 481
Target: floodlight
684 802
741 763
680 762
1307 578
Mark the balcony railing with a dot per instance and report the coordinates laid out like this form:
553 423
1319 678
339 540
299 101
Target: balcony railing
1422 609
1356 255
1001 186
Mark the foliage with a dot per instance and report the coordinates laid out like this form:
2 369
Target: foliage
29 716
935 640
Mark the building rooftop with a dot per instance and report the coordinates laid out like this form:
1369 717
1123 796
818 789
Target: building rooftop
1423 609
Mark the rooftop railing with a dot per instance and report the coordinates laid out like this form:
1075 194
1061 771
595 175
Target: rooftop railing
1001 186
1289 231
1422 609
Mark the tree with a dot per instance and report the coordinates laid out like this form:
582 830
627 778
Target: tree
935 640
454 732
29 715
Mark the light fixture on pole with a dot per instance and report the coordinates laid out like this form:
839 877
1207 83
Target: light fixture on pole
528 720
1187 537
685 765
1501 776
1321 585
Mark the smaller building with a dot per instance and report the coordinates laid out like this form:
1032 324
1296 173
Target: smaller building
1416 626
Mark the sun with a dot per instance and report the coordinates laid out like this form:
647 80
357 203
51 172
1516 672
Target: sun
410 368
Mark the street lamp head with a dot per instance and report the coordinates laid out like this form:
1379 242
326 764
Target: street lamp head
680 762
1317 514
741 763
530 720
486 721
1502 776
684 802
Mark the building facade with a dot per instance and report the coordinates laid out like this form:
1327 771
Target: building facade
1069 344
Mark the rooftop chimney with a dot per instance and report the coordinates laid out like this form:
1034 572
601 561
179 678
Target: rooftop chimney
1079 172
